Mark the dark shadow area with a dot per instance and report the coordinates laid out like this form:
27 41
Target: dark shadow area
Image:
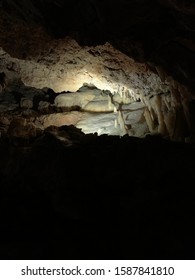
100 197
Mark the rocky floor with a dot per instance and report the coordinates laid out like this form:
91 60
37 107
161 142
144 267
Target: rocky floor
67 195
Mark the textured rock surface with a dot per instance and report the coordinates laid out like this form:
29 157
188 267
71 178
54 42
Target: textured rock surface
27 108
68 195
161 32
122 80
158 34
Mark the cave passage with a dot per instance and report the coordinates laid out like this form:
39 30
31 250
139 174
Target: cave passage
90 97
98 89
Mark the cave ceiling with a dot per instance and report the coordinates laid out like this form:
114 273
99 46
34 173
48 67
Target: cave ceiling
161 32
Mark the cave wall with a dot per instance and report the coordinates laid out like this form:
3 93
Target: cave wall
135 49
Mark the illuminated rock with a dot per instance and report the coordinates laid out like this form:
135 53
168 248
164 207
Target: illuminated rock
64 65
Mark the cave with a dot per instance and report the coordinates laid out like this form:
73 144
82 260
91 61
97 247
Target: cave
97 130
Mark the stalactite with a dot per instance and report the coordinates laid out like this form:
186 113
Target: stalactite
110 104
169 119
126 80
157 104
149 120
120 123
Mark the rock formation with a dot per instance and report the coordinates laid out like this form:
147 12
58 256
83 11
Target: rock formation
65 64
97 129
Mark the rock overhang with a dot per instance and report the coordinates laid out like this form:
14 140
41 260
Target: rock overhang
134 49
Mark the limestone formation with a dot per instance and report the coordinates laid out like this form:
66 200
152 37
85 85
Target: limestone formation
113 78
97 130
